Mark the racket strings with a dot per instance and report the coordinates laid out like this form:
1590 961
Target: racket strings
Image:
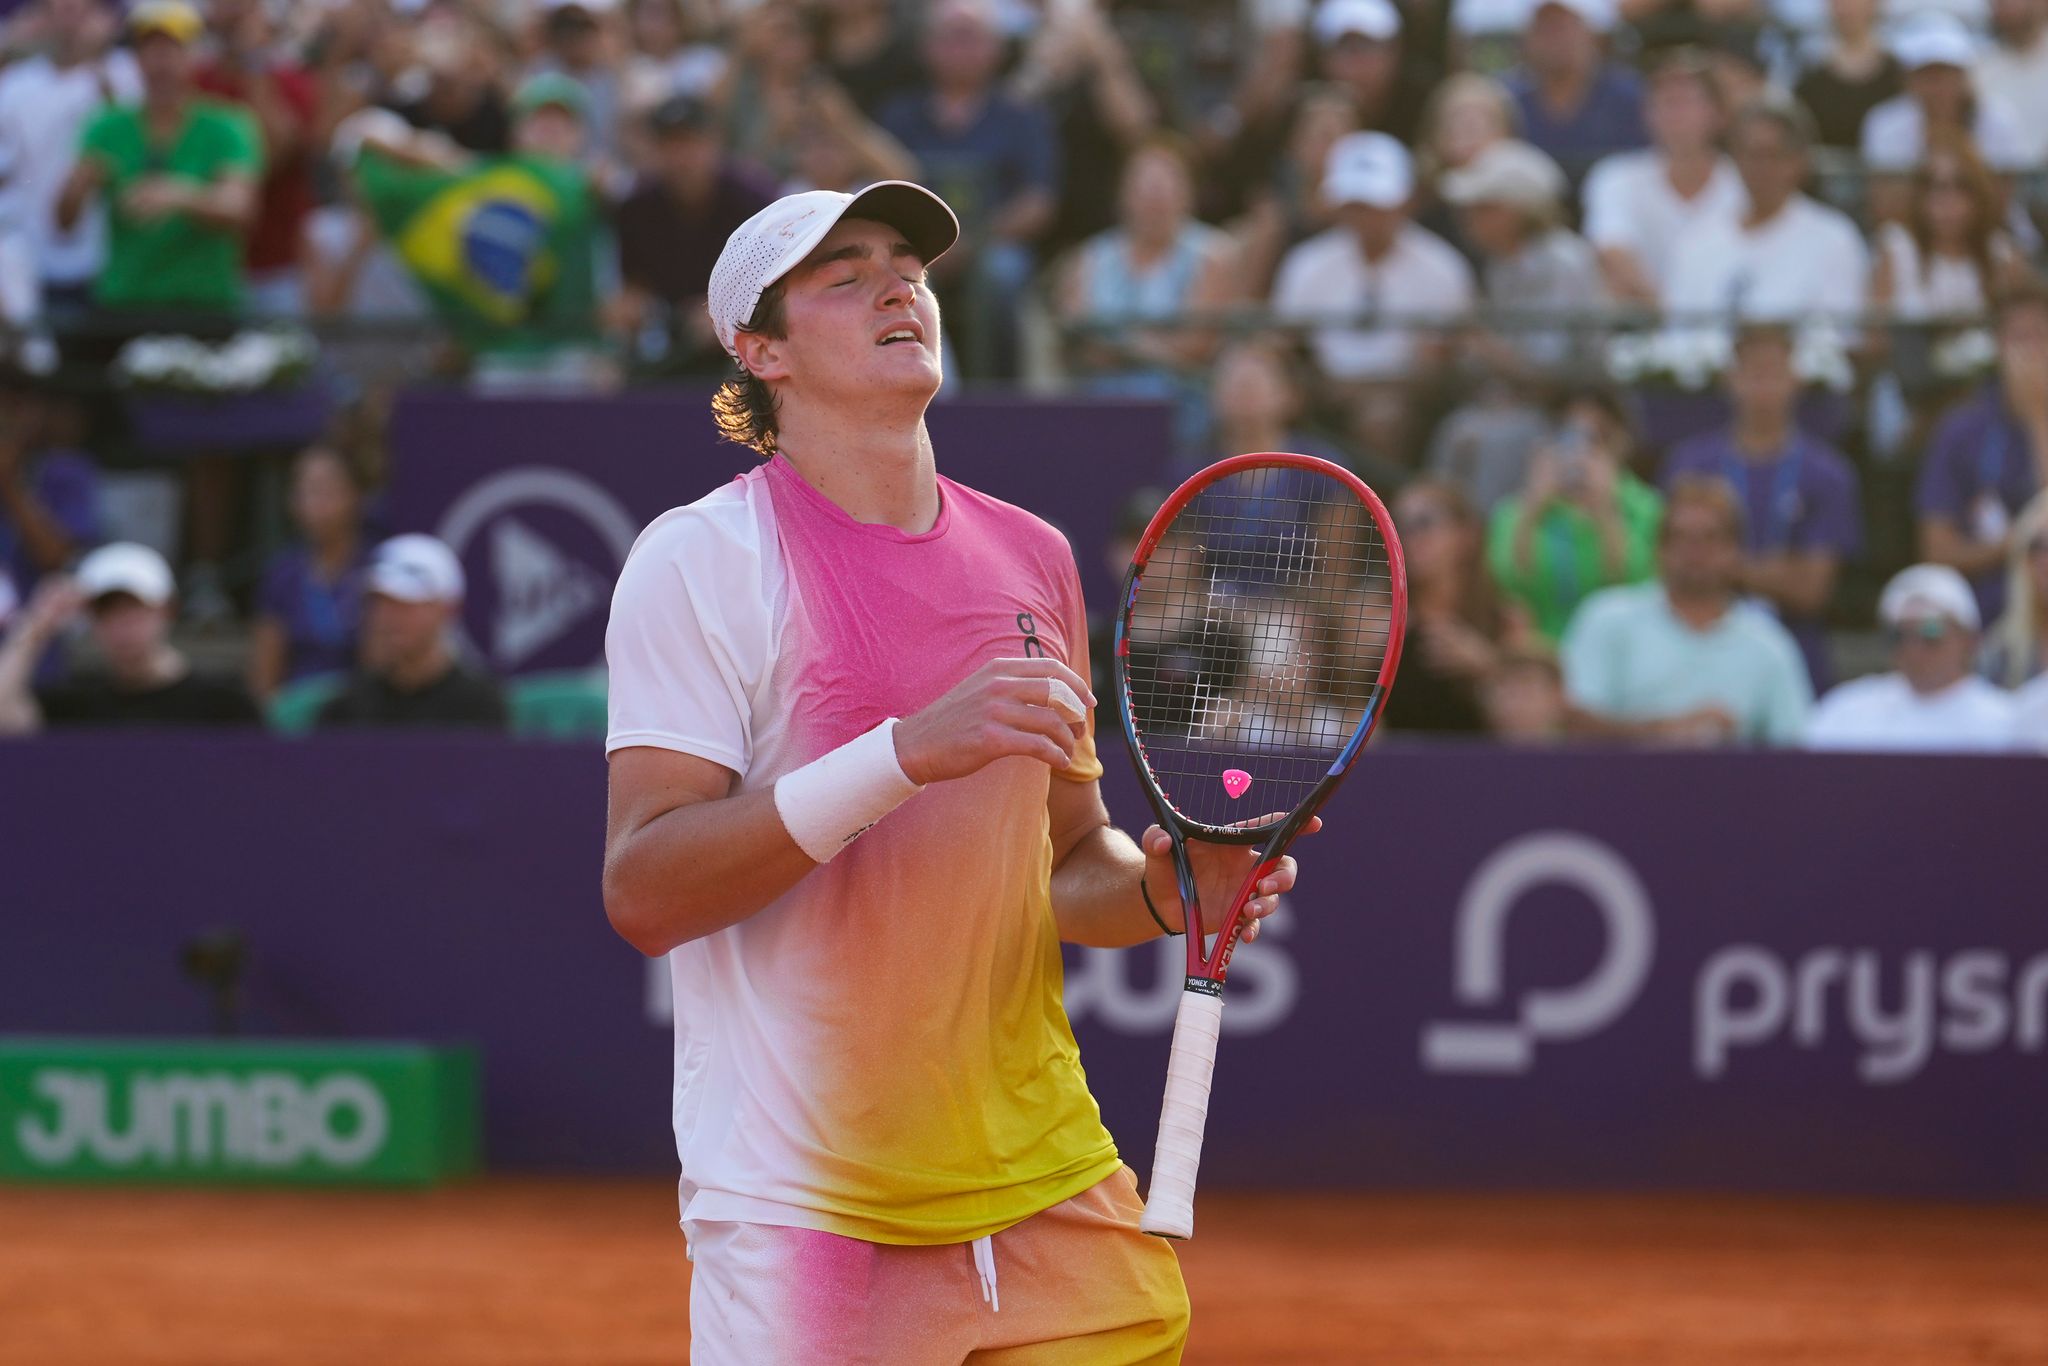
1258 632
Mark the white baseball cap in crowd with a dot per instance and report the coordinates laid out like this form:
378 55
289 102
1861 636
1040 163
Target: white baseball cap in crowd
1368 168
1508 172
1932 38
126 567
1599 15
415 568
1378 20
776 240
1926 590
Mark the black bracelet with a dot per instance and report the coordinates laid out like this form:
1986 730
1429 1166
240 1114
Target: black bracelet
1152 910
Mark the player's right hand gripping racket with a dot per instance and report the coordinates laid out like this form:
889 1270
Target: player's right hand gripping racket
1260 628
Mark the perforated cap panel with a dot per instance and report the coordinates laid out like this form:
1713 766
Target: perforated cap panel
765 247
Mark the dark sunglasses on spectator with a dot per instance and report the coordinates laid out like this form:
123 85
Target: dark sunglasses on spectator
1428 519
1927 630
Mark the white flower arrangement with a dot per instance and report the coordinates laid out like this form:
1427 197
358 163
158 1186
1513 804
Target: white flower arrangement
1966 355
1695 358
248 362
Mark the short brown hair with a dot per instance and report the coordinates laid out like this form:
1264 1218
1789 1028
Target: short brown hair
744 407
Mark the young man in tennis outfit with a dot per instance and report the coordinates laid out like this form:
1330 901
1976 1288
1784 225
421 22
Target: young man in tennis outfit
853 799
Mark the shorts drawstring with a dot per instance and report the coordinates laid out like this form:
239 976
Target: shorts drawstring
985 1267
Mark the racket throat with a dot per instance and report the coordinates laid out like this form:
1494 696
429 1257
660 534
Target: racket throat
1204 985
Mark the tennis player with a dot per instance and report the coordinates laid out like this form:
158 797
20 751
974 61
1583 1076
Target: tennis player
853 799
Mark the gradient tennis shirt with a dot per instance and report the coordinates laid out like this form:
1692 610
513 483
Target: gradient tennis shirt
882 1052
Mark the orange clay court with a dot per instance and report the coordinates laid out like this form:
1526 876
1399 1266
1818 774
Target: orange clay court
575 1271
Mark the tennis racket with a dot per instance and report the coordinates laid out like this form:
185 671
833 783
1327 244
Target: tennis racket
1258 633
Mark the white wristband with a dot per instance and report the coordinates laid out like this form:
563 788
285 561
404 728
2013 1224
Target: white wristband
831 801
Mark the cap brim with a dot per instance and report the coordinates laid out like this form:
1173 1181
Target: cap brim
921 216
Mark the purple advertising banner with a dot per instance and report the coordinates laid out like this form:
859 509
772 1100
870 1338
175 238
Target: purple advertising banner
1745 971
542 497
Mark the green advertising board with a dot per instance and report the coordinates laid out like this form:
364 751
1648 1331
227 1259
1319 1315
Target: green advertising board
236 1111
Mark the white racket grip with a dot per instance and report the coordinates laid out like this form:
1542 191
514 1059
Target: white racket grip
1170 1204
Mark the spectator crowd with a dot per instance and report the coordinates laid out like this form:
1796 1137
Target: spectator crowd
1686 338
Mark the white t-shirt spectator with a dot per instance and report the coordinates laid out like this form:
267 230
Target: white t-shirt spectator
1629 203
1895 135
1808 259
1328 276
2030 715
43 108
2018 79
1883 713
1949 289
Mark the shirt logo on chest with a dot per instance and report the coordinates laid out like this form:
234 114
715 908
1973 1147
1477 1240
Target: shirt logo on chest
1032 648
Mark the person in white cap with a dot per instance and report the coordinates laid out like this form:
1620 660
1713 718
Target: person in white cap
408 672
1376 259
1940 100
1510 203
1933 699
1366 63
129 595
853 802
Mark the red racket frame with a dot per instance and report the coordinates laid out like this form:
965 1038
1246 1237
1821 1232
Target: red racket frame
1211 965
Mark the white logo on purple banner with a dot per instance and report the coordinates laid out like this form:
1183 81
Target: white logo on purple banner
541 591
1552 1015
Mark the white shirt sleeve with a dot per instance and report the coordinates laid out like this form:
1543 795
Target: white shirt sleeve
691 638
1608 220
1845 261
1892 135
1838 720
1293 286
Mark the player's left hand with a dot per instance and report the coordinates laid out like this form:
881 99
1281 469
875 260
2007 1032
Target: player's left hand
1220 869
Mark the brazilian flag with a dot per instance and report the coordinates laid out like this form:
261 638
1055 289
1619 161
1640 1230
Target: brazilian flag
506 249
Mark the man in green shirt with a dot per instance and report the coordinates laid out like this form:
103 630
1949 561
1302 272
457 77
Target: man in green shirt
1685 660
178 173
1581 522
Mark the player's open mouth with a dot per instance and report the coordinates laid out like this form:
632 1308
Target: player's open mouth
896 336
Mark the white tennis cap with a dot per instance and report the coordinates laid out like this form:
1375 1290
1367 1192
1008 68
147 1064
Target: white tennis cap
126 567
1368 168
416 568
1507 172
1374 19
1934 39
774 241
1929 590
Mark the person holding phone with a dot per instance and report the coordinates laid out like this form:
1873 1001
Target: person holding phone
1581 522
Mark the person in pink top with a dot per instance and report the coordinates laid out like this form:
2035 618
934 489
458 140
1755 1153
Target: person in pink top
853 801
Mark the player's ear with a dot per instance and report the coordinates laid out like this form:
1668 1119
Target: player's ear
762 355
